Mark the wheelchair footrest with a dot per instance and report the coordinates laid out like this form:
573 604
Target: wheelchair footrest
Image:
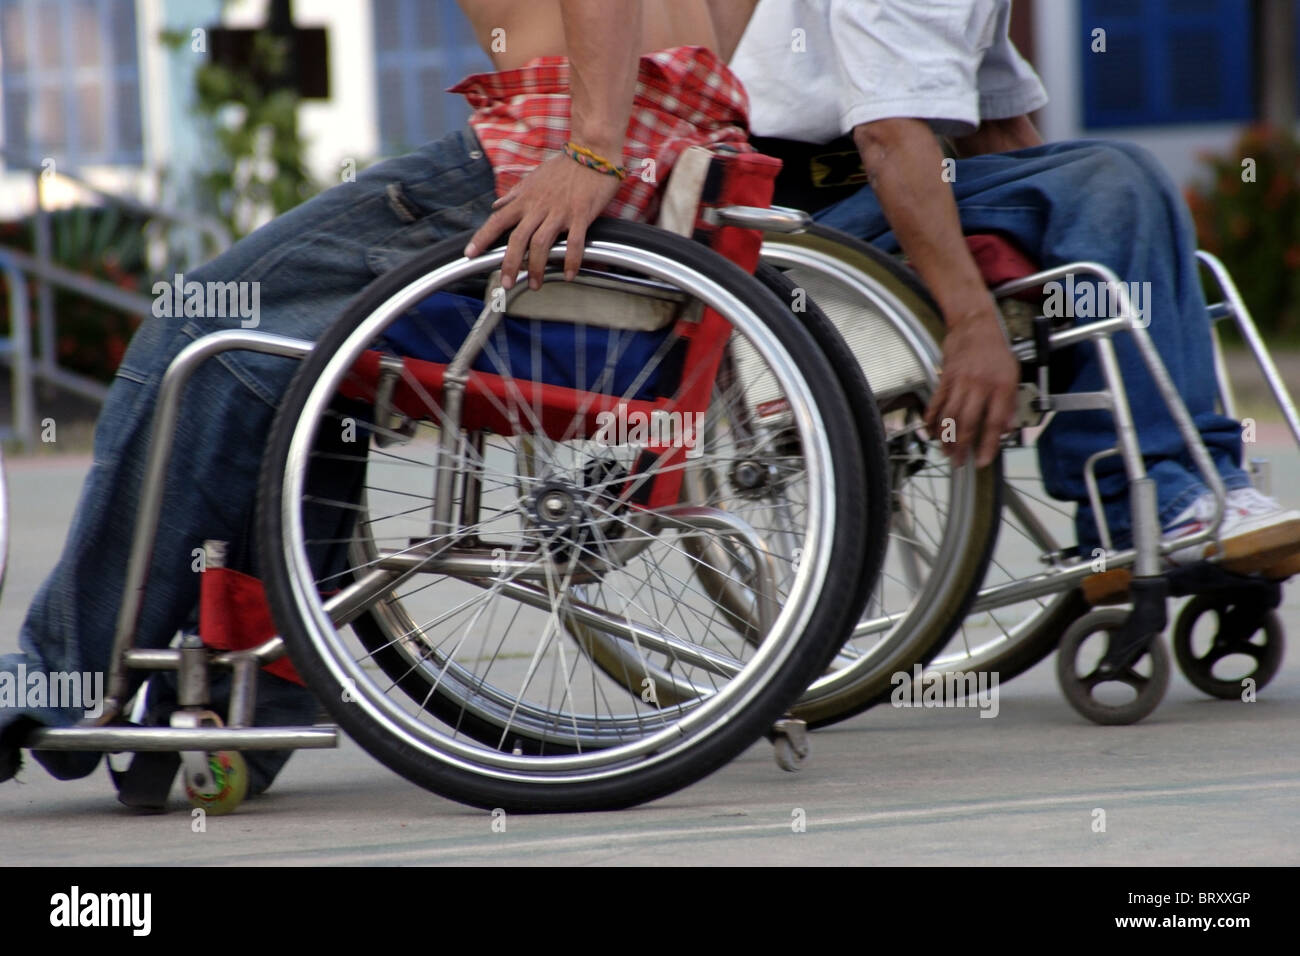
1107 587
1112 587
1261 550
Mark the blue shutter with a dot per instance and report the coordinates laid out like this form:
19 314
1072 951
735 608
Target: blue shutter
421 48
70 78
1296 51
1167 62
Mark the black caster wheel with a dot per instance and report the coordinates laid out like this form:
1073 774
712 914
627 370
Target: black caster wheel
1147 677
1264 644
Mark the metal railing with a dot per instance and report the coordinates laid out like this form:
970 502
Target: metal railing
203 237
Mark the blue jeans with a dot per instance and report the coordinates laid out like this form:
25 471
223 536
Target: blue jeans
308 263
1110 203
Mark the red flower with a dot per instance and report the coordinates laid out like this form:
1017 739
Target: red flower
1278 190
115 349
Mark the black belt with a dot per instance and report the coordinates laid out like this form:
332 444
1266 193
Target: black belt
813 175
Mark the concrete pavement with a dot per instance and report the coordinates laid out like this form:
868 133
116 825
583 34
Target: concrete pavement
1198 782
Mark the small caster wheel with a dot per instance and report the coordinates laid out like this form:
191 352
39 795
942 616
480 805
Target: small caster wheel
1265 645
1080 688
790 744
224 785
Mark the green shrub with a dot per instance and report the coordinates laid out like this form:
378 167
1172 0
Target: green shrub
102 243
1248 214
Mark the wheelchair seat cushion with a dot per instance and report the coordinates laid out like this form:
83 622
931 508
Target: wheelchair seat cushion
582 357
999 259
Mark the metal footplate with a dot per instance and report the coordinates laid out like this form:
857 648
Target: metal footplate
139 739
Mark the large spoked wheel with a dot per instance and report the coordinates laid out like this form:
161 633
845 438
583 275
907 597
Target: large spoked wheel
487 551
952 531
762 482
942 521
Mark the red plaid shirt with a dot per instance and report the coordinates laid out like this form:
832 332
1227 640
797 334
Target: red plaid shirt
685 97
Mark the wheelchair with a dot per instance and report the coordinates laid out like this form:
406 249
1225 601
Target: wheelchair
538 550
979 576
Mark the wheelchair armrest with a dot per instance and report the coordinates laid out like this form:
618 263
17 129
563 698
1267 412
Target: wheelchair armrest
772 219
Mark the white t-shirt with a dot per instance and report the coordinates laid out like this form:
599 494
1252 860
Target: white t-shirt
814 69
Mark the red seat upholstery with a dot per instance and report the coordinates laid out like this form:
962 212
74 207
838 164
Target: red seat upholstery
999 259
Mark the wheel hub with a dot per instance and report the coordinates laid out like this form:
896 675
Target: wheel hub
748 475
554 504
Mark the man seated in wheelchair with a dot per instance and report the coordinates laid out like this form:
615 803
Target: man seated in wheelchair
553 143
849 93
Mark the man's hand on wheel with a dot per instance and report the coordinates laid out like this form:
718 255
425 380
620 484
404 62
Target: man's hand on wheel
558 196
977 395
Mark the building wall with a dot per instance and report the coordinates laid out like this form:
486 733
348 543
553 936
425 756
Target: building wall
342 127
172 139
1057 44
338 129
345 127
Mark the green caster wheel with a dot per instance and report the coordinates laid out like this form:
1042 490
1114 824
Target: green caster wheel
223 787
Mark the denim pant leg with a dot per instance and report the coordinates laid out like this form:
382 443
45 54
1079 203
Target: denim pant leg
1110 203
307 265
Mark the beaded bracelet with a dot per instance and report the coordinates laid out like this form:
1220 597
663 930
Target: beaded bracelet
580 154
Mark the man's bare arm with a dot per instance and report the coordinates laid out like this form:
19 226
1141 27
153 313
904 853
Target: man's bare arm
603 41
730 17
977 389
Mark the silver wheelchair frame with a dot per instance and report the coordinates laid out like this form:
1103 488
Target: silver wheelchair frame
192 660
859 286
1145 524
196 733
1062 573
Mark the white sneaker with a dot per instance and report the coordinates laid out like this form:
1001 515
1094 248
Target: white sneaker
1250 501
1256 531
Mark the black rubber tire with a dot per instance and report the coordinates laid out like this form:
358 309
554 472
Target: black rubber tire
829 623
874 518
1268 656
970 573
870 430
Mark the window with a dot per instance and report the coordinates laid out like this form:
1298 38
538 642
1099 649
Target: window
421 48
1168 61
69 76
